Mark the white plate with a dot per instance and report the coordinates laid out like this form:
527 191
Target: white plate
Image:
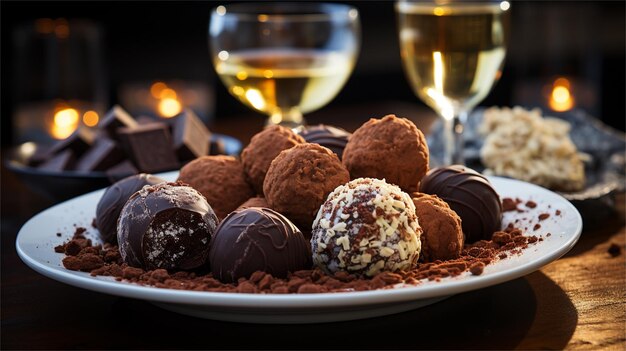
37 238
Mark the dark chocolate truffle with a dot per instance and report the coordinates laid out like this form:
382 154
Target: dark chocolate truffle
328 136
168 225
470 195
257 239
113 200
389 148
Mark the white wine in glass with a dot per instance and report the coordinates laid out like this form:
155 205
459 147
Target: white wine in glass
453 53
284 60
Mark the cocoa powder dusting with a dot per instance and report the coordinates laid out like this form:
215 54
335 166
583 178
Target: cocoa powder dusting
98 260
543 216
509 204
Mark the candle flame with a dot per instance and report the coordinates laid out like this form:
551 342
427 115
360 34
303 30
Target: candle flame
169 107
561 98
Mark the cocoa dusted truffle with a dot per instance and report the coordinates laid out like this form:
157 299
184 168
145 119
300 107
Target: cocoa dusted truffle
366 227
470 195
442 238
390 148
220 179
255 202
299 180
113 200
168 225
263 148
328 136
257 239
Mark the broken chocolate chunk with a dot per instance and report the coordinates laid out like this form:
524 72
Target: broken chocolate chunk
190 136
149 146
61 162
116 118
102 155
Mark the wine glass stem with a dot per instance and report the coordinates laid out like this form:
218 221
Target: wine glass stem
453 139
291 118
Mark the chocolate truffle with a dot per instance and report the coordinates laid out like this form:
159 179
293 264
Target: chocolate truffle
300 179
263 148
255 202
328 136
257 239
470 195
366 227
220 179
113 200
390 148
168 225
442 238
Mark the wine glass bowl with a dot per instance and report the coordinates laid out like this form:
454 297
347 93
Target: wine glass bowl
284 59
453 53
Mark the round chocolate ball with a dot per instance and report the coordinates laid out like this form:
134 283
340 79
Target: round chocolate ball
168 225
257 239
470 195
366 227
327 136
113 200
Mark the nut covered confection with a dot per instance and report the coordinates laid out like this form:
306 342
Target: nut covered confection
257 239
300 179
390 148
470 195
263 148
328 136
220 179
113 200
442 238
366 227
168 225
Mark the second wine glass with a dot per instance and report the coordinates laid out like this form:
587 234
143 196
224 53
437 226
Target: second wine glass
453 52
284 59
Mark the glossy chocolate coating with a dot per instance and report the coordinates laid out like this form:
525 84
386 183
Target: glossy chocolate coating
331 137
168 225
257 239
470 195
113 200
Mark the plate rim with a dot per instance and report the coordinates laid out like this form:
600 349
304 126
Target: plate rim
279 301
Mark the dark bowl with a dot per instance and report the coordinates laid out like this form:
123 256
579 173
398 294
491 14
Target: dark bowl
59 186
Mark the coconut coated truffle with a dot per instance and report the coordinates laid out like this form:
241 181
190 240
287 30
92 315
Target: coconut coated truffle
299 180
262 149
442 238
366 227
220 179
390 148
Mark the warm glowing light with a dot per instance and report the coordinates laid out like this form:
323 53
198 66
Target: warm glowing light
268 73
255 98
223 55
27 149
242 75
438 11
237 90
91 118
62 28
505 5
167 93
64 123
169 107
353 13
156 89
561 98
44 25
221 10
262 18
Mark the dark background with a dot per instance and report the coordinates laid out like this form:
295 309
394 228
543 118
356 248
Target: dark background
167 40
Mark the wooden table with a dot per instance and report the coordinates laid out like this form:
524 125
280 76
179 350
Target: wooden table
577 302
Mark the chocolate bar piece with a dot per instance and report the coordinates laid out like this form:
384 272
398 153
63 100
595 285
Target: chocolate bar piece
79 142
61 162
102 155
116 118
217 147
149 147
190 136
121 170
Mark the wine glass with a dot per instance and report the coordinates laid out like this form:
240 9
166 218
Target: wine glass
453 52
284 59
